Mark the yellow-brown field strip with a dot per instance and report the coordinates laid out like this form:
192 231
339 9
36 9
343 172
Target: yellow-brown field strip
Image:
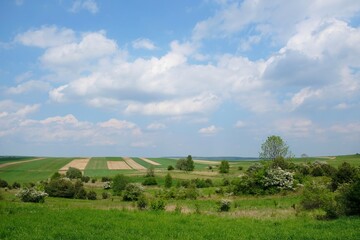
151 162
133 164
117 165
76 163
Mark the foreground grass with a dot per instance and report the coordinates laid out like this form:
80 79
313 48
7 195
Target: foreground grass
40 221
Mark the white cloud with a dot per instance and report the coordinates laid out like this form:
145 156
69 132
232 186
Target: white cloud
46 36
121 125
349 128
93 45
143 43
296 127
306 93
209 131
19 2
156 126
89 5
240 124
199 104
29 86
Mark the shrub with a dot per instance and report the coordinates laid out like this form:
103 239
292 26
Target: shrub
16 185
106 179
93 180
105 195
56 175
80 192
85 179
3 183
224 205
73 173
119 183
349 198
32 195
316 195
142 202
345 174
149 181
60 188
224 167
183 183
107 185
132 192
170 168
158 205
91 195
240 168
150 172
202 183
185 164
168 181
279 179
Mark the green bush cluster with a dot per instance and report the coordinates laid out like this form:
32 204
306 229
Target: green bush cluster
185 164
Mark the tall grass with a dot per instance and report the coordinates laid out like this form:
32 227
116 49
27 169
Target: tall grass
38 221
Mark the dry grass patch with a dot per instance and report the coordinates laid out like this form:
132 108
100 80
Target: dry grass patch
133 164
117 165
76 163
206 162
150 161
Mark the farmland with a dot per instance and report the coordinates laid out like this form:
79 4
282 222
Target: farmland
261 216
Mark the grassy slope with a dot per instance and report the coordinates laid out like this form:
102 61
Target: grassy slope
32 171
97 167
37 221
14 159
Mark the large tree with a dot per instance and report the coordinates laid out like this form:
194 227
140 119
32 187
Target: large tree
273 148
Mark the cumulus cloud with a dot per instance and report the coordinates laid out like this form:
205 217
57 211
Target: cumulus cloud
143 43
296 127
240 124
209 131
46 36
89 5
92 45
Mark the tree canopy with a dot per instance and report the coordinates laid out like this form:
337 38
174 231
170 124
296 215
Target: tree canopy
273 148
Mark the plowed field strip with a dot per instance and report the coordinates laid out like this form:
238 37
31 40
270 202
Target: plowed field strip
12 163
117 165
76 163
133 164
150 161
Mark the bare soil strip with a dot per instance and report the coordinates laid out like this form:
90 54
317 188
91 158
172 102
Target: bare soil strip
12 163
76 163
150 161
206 162
117 165
133 164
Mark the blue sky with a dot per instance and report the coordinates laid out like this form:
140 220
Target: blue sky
164 78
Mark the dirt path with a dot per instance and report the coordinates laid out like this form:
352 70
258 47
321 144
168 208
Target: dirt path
150 161
76 163
117 165
133 164
12 163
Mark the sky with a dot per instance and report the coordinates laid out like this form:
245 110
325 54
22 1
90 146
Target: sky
172 78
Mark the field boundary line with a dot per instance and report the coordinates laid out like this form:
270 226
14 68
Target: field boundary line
18 162
150 161
133 164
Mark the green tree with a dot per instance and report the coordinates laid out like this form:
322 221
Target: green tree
185 164
73 173
150 172
168 181
119 183
224 167
273 148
